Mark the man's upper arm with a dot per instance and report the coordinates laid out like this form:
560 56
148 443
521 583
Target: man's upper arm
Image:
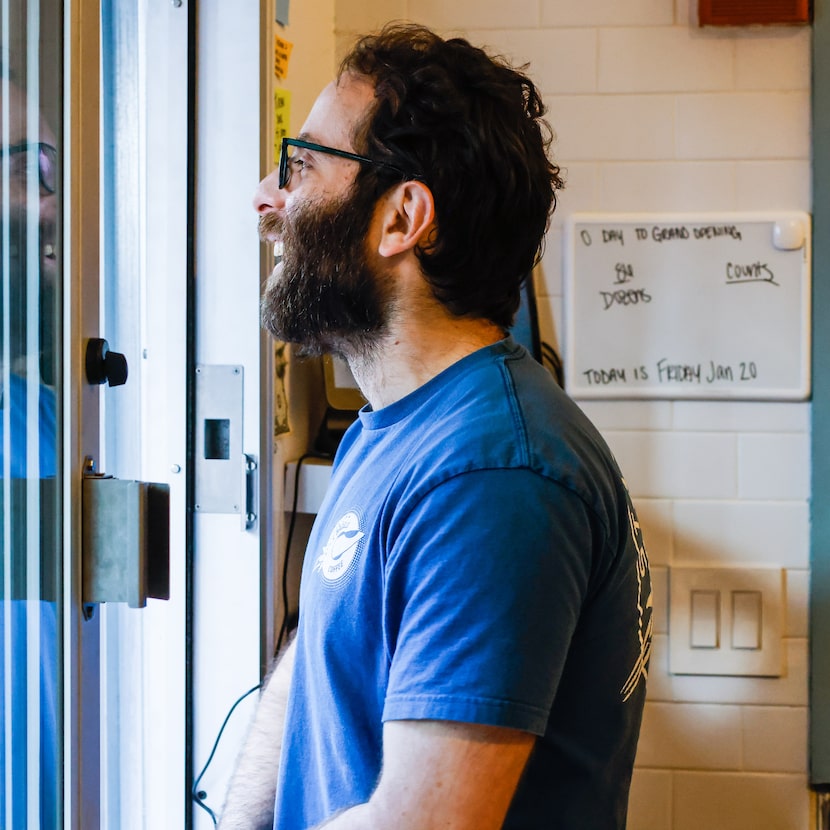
442 774
482 600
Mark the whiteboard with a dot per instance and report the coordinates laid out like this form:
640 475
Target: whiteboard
687 305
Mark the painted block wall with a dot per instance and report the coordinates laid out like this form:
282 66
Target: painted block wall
653 113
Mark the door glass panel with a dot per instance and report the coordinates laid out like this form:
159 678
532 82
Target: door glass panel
30 391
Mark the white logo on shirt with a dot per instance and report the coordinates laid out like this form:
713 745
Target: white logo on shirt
341 549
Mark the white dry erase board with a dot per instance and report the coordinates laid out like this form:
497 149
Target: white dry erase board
688 306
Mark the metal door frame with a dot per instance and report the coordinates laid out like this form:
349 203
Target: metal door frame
80 404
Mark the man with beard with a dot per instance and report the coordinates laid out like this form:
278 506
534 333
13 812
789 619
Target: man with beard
28 165
475 609
29 229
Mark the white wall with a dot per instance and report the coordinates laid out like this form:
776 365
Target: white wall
654 114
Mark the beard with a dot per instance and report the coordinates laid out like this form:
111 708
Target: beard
325 296
21 284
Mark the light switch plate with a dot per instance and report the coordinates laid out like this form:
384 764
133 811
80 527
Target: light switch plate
747 623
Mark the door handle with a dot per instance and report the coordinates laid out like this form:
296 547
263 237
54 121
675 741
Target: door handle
102 365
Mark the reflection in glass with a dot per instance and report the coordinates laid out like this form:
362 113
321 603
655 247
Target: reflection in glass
30 677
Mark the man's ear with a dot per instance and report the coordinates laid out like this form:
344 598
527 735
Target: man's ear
407 216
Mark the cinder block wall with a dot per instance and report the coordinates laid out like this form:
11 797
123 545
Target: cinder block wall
653 113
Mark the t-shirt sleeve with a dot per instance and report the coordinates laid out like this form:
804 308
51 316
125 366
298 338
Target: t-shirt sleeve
484 584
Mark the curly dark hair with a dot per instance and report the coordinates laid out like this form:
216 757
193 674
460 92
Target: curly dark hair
471 127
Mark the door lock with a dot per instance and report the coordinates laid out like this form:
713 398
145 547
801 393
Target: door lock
126 540
103 365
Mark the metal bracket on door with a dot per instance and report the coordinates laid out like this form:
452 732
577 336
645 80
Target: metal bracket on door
226 478
220 480
126 540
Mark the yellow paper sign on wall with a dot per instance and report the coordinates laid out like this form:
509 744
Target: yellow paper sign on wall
282 119
282 54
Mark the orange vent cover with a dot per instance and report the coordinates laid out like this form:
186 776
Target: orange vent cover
746 12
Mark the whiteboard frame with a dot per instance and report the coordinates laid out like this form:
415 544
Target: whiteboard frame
798 392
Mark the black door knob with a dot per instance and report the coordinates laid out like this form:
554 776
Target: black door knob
104 365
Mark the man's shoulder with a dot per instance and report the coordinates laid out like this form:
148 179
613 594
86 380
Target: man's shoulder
518 412
497 409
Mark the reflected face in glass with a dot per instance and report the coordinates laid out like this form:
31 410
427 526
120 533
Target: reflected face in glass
28 217
28 156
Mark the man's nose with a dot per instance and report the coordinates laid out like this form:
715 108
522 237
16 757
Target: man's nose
268 197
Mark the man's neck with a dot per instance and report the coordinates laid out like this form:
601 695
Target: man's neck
416 350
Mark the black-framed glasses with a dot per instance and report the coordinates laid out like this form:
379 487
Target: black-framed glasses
287 160
21 157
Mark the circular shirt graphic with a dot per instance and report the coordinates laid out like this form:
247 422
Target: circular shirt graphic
341 549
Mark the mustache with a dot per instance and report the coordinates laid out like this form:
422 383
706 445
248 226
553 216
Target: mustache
269 226
16 228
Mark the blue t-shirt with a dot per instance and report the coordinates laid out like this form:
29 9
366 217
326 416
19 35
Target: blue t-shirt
20 430
476 559
32 623
24 617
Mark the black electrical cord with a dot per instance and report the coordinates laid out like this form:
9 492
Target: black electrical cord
198 795
283 632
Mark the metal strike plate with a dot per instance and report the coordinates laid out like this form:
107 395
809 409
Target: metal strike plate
220 468
126 541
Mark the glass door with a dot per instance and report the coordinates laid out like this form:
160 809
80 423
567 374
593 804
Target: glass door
144 161
93 243
31 575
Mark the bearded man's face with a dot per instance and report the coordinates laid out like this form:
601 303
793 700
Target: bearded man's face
325 295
